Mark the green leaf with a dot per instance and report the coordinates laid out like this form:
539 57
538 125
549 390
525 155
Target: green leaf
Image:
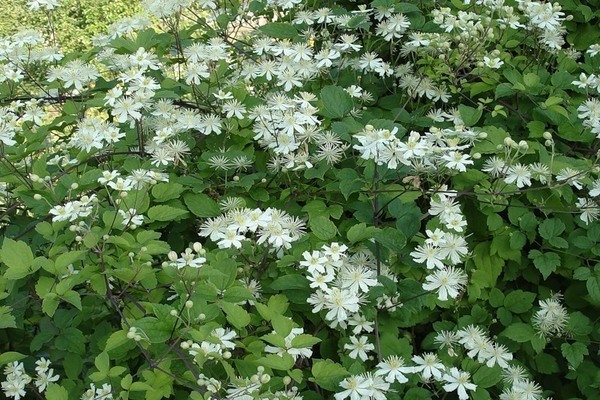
391 238
469 115
102 362
165 213
322 227
156 330
517 240
531 79
350 182
282 325
488 267
519 301
550 228
166 191
360 232
574 352
56 392
72 340
290 282
335 102
235 314
593 288
519 332
18 257
546 263
201 205
279 30
283 363
304 340
10 356
115 340
63 260
328 374
486 377
7 320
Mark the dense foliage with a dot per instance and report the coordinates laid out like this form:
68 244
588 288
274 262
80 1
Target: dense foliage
277 199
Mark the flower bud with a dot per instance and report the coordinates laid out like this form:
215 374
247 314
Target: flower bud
523 145
201 316
197 247
74 185
476 156
483 135
287 380
547 135
548 143
130 335
137 338
265 378
172 256
37 196
226 355
189 304
173 313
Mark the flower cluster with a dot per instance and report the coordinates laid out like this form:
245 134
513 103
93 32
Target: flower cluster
190 257
17 379
341 282
443 250
75 209
552 317
94 393
435 151
272 227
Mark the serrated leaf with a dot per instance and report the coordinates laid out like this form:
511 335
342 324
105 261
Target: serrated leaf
328 374
18 257
360 232
574 352
546 262
56 392
391 238
519 301
335 102
550 228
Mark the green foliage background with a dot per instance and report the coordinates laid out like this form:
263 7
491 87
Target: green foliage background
75 21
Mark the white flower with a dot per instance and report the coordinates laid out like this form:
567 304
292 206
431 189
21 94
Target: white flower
429 366
394 369
499 354
447 281
519 174
493 63
459 381
359 347
429 254
357 388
